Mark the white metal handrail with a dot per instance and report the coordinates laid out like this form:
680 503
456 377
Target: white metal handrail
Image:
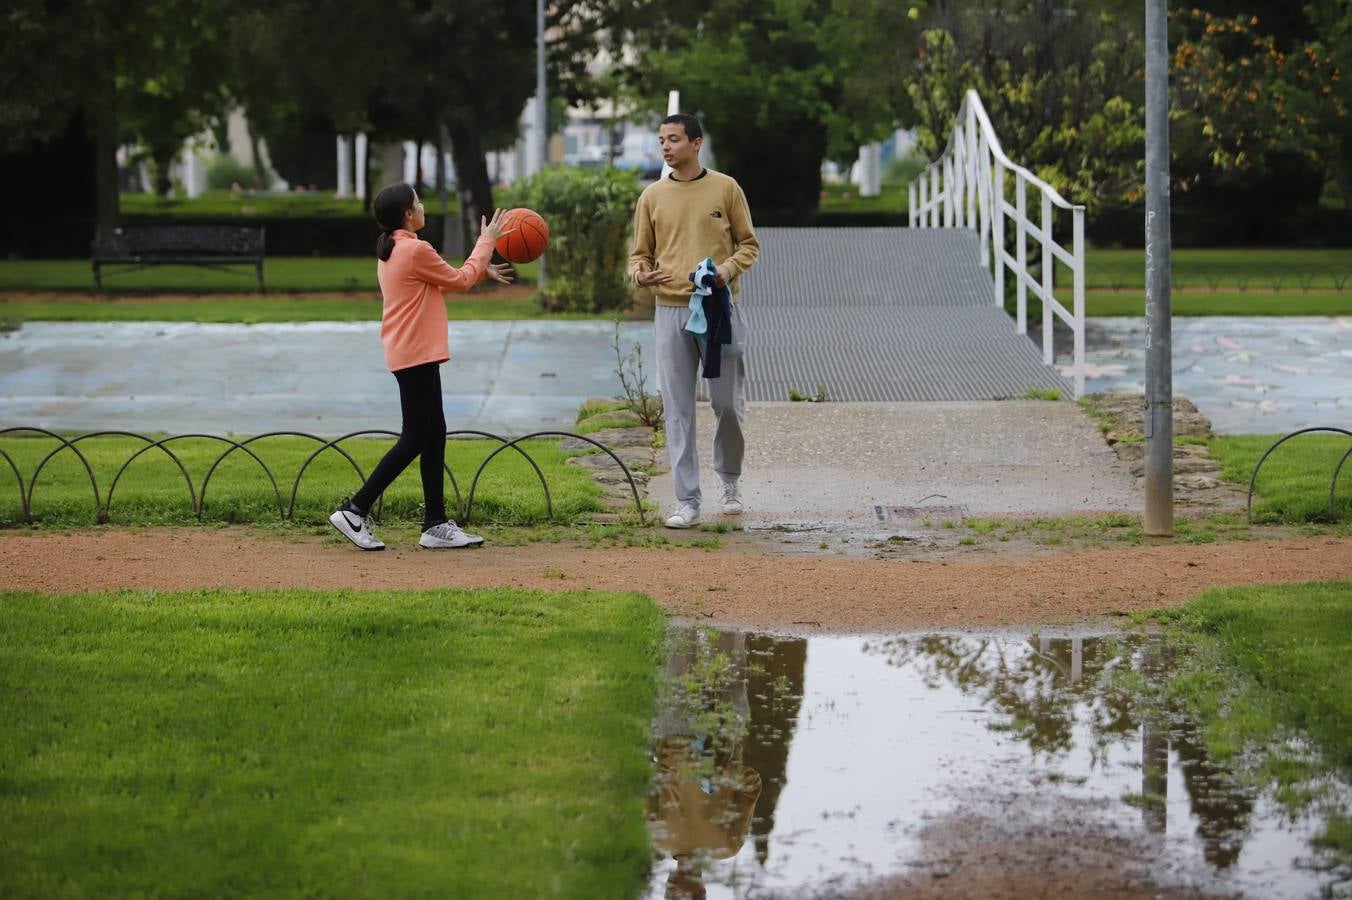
959 190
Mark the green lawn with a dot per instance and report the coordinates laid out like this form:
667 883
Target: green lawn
251 309
1240 269
893 197
281 274
1222 303
153 490
1293 485
1261 664
227 204
227 744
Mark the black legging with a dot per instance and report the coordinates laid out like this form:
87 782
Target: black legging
423 435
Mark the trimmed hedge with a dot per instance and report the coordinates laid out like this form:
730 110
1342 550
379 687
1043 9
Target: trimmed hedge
71 238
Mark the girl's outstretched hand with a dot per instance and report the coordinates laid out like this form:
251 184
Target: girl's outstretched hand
502 273
493 228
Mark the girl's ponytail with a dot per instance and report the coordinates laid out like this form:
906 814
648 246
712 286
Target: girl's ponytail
389 208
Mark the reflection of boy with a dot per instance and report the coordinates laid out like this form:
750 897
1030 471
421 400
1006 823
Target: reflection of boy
696 812
706 796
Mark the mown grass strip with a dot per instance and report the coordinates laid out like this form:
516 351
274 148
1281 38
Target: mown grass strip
281 274
1260 665
251 309
1293 485
1244 268
153 491
1225 303
442 743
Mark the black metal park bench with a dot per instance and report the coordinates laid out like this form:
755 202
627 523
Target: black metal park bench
210 246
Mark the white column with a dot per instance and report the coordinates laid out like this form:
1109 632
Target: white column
192 171
870 170
344 166
673 107
359 166
410 162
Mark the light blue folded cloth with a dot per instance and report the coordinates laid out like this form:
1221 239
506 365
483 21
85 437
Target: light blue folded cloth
705 277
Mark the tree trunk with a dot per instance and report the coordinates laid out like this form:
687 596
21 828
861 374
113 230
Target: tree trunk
163 161
448 231
261 179
106 209
1342 176
784 186
474 188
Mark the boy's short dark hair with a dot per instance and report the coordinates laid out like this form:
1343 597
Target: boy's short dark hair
689 123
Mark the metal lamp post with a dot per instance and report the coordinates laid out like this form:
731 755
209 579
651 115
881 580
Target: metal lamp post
1159 388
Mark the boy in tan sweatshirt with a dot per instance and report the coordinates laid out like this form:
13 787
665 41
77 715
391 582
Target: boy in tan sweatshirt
691 215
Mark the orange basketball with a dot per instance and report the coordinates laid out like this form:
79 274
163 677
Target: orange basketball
529 236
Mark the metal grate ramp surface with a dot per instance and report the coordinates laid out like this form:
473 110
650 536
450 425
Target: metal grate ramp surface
882 314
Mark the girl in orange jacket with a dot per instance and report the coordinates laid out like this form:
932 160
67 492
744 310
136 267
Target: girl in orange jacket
413 326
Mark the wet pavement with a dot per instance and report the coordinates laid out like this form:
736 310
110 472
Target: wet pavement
828 766
327 378
870 471
1248 375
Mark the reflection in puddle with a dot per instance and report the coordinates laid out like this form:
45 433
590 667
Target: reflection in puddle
814 767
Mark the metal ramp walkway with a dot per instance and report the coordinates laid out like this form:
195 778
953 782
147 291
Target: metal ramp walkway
882 314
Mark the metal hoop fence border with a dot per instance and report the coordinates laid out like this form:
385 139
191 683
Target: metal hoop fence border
285 508
1333 483
1278 280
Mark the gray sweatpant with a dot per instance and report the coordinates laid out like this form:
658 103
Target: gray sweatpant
679 363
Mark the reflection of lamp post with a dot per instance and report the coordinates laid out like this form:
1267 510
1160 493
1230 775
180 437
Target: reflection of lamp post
1154 748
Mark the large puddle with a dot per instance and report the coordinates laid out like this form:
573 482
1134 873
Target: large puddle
829 766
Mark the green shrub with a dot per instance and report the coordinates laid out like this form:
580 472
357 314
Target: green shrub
225 171
589 212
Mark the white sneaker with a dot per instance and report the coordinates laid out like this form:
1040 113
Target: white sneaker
357 529
447 535
732 499
684 517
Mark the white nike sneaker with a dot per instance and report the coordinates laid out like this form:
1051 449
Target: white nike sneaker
684 517
357 529
732 499
447 535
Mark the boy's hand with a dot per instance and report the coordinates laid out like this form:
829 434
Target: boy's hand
723 275
502 273
648 279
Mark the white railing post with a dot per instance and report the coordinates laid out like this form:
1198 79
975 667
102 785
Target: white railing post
965 188
934 196
1077 251
948 191
973 164
983 186
1048 281
1021 254
910 191
998 231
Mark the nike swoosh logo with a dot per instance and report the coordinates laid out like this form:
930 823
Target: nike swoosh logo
356 527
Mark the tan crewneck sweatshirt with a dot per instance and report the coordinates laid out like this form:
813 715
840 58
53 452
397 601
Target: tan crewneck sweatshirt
678 224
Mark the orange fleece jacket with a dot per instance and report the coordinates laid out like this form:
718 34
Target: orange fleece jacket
412 281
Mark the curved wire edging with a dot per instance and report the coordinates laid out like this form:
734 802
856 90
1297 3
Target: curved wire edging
285 508
629 476
1333 483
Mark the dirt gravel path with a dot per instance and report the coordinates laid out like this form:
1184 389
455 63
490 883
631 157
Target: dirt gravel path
737 584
